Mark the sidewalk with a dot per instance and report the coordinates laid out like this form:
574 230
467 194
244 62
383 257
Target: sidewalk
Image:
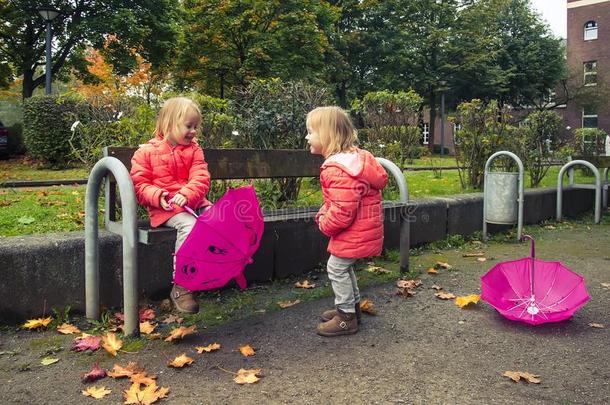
416 350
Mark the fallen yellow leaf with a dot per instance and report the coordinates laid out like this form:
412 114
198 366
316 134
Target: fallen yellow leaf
481 259
143 378
111 343
368 307
376 269
180 332
147 396
96 392
444 295
247 350
517 375
37 323
180 361
443 265
467 300
208 348
67 329
476 254
147 328
244 376
432 270
288 304
304 284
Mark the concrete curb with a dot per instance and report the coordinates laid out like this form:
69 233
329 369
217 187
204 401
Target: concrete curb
43 272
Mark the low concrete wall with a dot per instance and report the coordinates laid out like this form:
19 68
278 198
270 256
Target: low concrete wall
42 272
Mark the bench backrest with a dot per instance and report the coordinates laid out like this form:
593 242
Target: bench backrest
227 164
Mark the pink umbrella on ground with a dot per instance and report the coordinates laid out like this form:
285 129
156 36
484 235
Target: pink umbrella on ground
222 242
534 291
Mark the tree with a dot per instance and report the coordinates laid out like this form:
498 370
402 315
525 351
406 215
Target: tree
150 26
232 42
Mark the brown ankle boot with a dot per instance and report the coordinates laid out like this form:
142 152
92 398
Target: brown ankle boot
342 324
330 314
183 300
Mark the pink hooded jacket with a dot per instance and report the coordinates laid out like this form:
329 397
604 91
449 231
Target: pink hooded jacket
352 214
157 166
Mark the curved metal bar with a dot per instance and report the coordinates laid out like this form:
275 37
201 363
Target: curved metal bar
404 217
521 192
130 242
598 187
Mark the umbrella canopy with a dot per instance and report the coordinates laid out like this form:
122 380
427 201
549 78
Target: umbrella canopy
534 291
221 243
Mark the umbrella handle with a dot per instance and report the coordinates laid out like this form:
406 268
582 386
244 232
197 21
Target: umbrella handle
533 250
190 211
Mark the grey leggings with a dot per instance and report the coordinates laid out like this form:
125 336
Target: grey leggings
344 283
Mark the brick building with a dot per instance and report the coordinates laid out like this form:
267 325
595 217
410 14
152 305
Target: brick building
588 54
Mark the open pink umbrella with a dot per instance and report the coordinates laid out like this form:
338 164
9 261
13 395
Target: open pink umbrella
221 243
534 291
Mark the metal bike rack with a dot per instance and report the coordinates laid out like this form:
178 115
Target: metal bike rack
129 205
404 218
597 187
503 195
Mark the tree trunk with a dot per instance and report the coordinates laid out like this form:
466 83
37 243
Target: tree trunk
341 90
432 105
28 83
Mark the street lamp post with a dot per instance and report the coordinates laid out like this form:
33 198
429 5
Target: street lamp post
442 83
48 14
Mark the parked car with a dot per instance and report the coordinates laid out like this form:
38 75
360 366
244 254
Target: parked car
3 141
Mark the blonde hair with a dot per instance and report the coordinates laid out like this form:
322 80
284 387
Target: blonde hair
173 112
335 129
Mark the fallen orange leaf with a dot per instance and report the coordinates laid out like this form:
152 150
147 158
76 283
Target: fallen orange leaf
147 328
208 348
406 288
37 323
147 396
180 361
517 375
180 332
467 300
304 284
67 329
249 376
247 350
368 307
130 369
444 295
432 270
143 378
288 304
111 343
154 336
96 392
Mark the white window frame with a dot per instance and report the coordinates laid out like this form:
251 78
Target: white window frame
590 73
457 126
589 116
425 132
590 31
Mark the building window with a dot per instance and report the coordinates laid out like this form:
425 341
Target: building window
456 128
589 118
590 73
425 133
590 30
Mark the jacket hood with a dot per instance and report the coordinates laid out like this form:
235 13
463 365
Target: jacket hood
359 164
160 140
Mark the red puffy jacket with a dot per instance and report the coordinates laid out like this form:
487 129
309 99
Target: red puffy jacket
157 166
352 214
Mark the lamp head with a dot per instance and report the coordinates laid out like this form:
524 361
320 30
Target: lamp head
48 13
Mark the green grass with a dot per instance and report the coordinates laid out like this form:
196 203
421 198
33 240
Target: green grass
20 169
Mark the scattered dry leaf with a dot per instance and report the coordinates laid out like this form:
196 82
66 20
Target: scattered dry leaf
436 287
443 265
180 361
407 288
154 336
87 343
517 375
111 343
147 396
247 350
208 348
376 269
443 295
147 328
368 307
67 329
96 392
304 284
467 300
147 314
173 318
37 323
180 332
95 374
142 378
288 304
130 369
47 361
596 325
481 259
249 376
432 270
476 254
606 285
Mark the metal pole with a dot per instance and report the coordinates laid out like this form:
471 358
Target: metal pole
442 122
598 187
48 66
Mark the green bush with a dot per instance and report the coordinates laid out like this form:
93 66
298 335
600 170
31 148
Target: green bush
46 131
589 141
15 139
